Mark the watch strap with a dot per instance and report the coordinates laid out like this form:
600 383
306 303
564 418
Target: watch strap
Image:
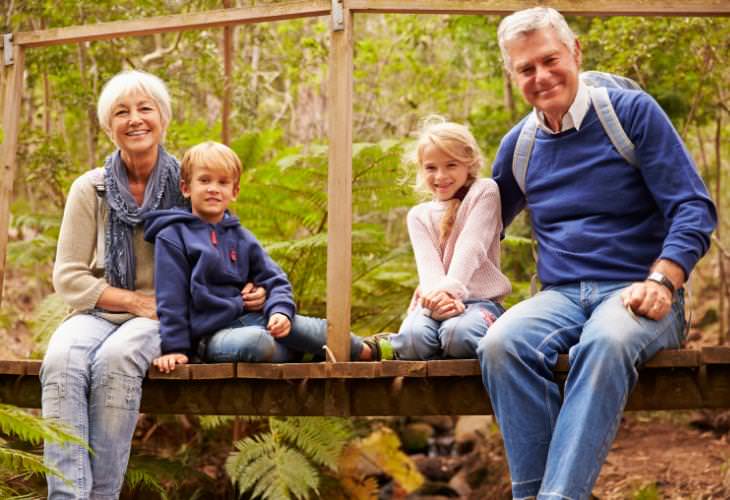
658 277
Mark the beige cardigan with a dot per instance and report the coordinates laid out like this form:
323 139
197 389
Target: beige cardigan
78 272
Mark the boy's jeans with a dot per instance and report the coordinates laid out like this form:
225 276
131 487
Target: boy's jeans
556 451
421 337
247 340
92 381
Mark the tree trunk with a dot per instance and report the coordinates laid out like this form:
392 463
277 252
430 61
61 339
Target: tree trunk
722 338
227 78
92 129
509 99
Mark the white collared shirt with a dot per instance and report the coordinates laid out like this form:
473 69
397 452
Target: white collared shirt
574 117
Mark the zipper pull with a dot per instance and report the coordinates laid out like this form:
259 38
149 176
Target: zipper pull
213 237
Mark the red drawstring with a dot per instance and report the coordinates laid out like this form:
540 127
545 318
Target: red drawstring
234 256
214 238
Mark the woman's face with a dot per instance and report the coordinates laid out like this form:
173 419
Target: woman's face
136 124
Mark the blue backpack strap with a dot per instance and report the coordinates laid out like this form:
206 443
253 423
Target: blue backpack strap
523 150
612 125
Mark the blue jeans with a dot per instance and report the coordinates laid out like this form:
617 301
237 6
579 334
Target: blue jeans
247 340
91 379
422 337
556 451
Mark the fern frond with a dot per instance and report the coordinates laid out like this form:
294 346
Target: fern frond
47 316
272 469
137 478
24 462
27 427
210 422
158 475
321 438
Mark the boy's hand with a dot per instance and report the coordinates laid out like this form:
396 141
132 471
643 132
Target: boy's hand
279 325
253 297
167 362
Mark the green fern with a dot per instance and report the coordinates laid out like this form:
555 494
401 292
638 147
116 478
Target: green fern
34 430
320 438
29 463
46 318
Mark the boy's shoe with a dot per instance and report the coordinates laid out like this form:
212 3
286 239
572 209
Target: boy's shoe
380 347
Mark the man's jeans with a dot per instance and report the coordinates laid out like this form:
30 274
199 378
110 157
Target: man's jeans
92 381
556 451
247 340
421 337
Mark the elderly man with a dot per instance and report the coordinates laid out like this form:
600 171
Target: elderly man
616 243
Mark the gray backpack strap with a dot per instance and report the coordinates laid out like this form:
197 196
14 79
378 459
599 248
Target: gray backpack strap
612 125
100 219
523 150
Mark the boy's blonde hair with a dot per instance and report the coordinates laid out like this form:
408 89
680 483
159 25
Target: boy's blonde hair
213 155
459 143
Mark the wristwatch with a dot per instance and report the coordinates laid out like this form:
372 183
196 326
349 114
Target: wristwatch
658 277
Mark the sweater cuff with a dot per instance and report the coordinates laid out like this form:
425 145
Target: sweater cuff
284 309
454 287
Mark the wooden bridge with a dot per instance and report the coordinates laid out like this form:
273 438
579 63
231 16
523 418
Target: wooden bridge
673 380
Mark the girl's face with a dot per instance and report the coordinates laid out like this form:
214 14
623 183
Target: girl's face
443 174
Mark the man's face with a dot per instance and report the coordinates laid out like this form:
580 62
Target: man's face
545 71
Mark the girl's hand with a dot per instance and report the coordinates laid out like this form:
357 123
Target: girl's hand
167 362
253 297
279 325
448 309
433 300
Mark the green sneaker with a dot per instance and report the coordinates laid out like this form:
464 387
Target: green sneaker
380 347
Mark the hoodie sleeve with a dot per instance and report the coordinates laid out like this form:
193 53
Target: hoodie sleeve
172 291
266 273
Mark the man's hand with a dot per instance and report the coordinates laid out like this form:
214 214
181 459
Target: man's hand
253 297
167 362
648 299
279 325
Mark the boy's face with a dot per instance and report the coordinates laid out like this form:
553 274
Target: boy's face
210 191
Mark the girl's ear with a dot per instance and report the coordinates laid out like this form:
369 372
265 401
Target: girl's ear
184 189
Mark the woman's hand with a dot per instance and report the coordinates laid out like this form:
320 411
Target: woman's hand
167 362
279 325
253 297
120 300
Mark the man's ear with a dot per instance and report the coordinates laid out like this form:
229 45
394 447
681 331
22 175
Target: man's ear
184 189
578 53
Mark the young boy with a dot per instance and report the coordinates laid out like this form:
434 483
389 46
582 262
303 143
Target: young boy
203 260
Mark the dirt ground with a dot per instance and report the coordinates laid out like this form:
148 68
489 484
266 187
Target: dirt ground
660 455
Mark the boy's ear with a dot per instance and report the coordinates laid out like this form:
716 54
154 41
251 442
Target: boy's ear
236 190
184 189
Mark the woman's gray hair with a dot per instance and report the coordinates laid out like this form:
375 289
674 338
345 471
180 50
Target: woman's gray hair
124 83
525 21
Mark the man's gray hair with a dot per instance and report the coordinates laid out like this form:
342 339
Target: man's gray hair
525 21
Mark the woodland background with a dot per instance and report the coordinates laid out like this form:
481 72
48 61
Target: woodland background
406 67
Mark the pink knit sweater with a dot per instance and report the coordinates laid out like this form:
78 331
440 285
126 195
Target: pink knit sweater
468 265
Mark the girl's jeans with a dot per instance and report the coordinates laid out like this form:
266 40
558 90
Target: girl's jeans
247 340
92 381
554 450
422 337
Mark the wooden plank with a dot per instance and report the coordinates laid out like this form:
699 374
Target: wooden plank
716 355
454 367
354 369
568 7
339 191
212 371
404 369
13 367
272 371
181 372
675 358
8 150
176 22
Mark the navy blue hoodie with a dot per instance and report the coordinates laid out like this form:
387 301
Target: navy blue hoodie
200 269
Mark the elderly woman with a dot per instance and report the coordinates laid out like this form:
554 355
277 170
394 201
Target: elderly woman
93 369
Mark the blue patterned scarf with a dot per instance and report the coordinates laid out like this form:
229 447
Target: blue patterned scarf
162 191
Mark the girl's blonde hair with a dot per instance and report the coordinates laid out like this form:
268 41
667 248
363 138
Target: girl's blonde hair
457 142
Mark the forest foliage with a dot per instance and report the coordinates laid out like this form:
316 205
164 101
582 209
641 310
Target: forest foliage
405 68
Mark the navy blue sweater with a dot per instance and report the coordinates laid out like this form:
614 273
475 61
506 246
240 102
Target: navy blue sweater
200 269
595 216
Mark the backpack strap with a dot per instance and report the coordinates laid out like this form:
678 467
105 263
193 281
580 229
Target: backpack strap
612 125
523 150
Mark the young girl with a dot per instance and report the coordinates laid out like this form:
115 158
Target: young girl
455 239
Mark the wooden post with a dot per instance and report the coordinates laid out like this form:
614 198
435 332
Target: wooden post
227 79
339 192
8 162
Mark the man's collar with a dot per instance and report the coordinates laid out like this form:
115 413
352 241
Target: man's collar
574 117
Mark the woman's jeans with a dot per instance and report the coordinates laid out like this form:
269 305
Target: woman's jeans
92 381
422 337
554 450
247 340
